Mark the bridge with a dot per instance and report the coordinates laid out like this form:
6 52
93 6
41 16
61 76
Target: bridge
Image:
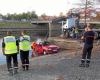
52 27
92 22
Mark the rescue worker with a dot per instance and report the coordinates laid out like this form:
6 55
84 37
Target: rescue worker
88 38
10 50
76 33
24 46
82 38
37 49
33 46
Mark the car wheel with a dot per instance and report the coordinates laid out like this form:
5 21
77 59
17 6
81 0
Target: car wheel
44 52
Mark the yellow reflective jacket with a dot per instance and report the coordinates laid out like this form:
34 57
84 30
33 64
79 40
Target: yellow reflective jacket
10 45
24 43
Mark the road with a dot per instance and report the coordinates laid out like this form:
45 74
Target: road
62 65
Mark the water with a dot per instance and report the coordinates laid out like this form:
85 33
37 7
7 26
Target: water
3 58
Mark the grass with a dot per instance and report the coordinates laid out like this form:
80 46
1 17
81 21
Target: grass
97 26
15 24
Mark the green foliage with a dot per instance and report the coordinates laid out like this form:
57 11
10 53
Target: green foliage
97 26
26 16
15 24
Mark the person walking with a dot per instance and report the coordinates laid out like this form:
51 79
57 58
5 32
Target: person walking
24 46
10 50
88 38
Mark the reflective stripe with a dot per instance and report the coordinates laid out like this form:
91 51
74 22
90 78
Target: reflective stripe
11 50
88 59
9 39
15 67
10 68
83 59
26 64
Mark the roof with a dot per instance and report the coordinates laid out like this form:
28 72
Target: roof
56 20
40 22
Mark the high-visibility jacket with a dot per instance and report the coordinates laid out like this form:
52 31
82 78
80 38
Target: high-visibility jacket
24 43
10 45
33 45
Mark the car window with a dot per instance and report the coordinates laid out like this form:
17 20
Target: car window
45 43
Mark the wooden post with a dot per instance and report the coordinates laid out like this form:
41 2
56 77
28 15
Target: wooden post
85 12
62 24
49 29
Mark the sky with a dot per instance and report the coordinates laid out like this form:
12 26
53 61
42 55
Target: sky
49 7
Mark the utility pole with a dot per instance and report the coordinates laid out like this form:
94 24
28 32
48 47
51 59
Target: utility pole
49 29
85 12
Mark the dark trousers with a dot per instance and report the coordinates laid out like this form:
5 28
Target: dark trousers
86 56
9 58
24 55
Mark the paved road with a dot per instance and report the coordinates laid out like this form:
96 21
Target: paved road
61 65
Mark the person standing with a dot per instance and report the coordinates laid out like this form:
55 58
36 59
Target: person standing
88 38
76 33
10 50
24 46
82 38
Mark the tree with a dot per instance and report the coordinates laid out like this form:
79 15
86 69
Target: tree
33 15
43 16
26 16
61 14
86 5
87 9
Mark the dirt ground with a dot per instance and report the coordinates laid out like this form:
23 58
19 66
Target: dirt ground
61 66
72 45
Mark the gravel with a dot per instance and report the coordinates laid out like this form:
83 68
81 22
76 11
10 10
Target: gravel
60 66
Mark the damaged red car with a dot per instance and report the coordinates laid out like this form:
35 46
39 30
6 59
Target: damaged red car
44 48
49 48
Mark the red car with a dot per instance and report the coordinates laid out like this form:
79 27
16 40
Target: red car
37 49
44 48
50 48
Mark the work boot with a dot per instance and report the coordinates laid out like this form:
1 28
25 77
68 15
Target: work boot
87 65
10 72
27 67
82 65
23 67
15 71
